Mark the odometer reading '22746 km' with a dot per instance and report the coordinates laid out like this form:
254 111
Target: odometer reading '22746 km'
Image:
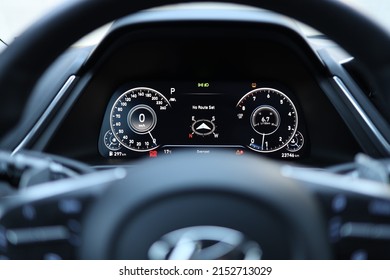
133 118
270 116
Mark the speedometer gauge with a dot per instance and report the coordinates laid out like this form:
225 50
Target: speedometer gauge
134 117
270 117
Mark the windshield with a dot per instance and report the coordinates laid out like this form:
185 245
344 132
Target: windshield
17 15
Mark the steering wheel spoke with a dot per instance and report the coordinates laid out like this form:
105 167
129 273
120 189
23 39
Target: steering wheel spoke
357 212
44 221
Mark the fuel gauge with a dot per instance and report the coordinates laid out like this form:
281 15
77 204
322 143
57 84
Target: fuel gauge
111 142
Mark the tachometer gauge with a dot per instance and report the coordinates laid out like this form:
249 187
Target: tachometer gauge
270 117
134 116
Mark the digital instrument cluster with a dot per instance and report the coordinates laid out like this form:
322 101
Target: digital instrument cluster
158 118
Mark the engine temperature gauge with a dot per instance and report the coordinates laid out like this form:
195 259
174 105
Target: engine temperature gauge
296 143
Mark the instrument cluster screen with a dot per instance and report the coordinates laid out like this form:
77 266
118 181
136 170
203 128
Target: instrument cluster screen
152 119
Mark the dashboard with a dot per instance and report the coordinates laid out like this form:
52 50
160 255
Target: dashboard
151 89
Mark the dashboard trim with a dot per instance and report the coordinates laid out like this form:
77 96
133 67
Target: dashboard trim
45 115
385 144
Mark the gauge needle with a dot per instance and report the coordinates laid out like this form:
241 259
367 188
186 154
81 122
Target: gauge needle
262 142
153 139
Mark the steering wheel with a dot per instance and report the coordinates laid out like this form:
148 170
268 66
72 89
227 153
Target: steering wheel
243 208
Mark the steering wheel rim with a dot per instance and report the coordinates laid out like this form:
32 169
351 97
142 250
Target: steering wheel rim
30 55
220 191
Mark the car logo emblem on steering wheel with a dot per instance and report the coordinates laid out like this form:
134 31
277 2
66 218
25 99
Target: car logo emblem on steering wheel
205 243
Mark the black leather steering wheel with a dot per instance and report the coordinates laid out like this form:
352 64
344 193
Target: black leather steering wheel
260 195
168 202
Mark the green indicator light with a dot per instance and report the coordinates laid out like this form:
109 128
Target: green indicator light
203 85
